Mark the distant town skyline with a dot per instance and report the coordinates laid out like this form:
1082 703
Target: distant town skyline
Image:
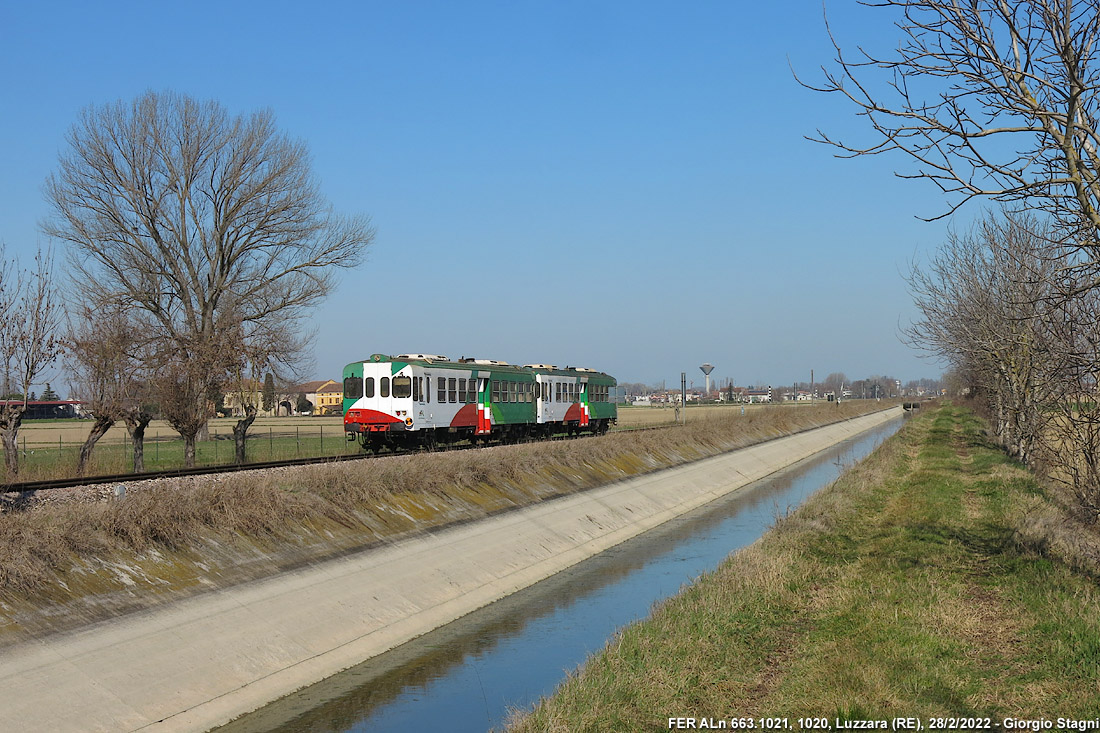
623 186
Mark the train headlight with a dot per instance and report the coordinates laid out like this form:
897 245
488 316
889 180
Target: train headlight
409 421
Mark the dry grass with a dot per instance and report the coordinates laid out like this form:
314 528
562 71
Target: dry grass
67 564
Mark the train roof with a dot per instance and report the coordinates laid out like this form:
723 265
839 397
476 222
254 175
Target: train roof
468 363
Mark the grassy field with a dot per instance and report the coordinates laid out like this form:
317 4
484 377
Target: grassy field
937 579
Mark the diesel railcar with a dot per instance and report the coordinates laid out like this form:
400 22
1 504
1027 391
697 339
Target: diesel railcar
425 399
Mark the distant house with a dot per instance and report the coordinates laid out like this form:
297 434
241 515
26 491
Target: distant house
752 394
250 393
330 399
326 396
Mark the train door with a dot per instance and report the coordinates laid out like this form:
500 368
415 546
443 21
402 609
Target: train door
484 408
540 392
583 399
424 409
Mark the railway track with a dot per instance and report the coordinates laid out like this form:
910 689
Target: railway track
24 487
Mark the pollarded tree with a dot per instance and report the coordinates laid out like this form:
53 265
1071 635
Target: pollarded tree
107 358
210 227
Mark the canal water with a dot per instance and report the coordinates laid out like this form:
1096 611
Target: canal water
472 674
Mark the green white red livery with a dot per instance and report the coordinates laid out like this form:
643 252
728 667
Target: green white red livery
427 398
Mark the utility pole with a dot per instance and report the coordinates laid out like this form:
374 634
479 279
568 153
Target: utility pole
683 395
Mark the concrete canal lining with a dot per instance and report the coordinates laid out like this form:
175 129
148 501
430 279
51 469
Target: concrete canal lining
201 662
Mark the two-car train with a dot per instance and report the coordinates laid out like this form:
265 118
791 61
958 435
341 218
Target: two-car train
425 399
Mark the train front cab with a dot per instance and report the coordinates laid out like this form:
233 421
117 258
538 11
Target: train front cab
378 403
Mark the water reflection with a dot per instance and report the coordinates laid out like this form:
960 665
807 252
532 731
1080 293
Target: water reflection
469 675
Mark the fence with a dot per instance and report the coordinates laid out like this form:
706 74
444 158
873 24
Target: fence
163 449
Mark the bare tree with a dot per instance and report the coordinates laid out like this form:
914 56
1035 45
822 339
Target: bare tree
987 306
108 358
991 99
273 350
29 342
211 227
835 383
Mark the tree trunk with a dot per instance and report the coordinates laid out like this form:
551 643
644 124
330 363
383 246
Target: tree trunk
240 432
99 429
10 420
136 422
11 455
189 450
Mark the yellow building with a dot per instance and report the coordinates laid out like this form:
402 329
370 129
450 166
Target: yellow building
330 399
326 396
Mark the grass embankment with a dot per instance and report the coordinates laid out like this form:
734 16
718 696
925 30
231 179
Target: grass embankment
934 579
63 565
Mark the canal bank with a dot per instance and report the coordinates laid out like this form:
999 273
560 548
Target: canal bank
936 581
203 661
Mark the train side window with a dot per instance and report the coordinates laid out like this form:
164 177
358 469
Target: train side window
452 389
461 389
369 385
416 389
384 387
471 394
441 389
402 387
495 391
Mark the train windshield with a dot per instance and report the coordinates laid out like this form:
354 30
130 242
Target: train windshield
402 387
353 387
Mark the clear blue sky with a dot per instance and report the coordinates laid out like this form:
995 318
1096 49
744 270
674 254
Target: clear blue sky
619 185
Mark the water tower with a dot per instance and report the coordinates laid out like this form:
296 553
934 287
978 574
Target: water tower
707 369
